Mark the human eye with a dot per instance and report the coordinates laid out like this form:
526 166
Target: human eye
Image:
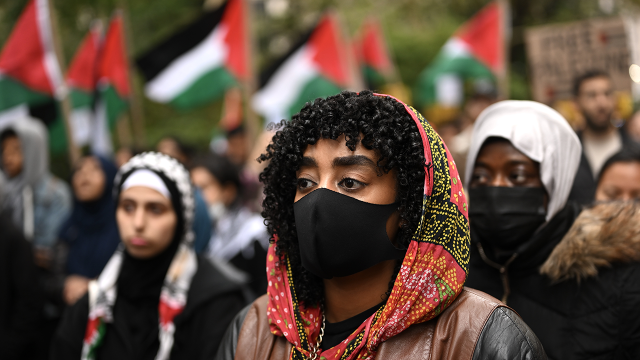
518 177
350 184
522 176
156 209
127 206
304 184
479 178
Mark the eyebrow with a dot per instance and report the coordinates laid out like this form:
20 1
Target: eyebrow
360 160
355 160
509 162
308 162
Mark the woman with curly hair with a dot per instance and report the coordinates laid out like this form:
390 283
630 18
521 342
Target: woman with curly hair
371 245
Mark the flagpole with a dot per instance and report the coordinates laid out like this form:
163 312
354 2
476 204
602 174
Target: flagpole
356 82
137 112
503 80
65 101
249 86
260 138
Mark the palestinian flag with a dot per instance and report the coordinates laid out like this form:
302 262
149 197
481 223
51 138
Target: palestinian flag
113 86
30 75
199 63
318 66
82 79
475 52
373 56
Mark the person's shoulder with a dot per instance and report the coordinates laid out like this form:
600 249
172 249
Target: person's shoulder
475 325
52 188
10 233
502 335
603 236
215 279
506 336
253 320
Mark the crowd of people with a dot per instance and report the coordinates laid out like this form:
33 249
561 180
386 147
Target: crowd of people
362 231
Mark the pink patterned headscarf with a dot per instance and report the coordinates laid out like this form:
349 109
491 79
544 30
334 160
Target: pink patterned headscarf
432 275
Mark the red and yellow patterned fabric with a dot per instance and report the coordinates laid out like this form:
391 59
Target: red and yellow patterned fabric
432 275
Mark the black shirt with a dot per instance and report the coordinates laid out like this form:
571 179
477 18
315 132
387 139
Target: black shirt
334 333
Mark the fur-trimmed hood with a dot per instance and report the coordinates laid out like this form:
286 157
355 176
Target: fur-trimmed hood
603 234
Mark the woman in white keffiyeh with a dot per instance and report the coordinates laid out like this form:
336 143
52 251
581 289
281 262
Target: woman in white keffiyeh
155 299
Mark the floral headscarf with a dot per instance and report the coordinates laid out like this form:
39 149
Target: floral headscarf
432 275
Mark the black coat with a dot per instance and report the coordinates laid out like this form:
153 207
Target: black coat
212 303
20 297
595 318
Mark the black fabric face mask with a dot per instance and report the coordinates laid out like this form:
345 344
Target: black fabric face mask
340 236
506 217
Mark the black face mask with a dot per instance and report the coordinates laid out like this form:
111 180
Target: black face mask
340 236
506 217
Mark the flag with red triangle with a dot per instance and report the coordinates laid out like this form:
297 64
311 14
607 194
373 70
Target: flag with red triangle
31 81
318 66
475 52
375 62
200 62
112 85
82 77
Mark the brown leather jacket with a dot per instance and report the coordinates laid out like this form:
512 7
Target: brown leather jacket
474 326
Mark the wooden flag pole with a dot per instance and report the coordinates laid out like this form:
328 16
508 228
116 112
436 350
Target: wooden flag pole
503 79
356 82
259 138
137 111
65 101
249 86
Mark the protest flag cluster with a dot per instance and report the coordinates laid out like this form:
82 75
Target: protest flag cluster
203 61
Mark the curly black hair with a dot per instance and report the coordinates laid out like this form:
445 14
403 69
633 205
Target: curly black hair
381 124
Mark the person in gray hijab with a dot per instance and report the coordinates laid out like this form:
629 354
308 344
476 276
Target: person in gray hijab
20 296
38 201
573 275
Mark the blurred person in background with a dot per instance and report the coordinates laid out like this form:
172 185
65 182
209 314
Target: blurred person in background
90 235
632 127
236 147
459 144
371 243
448 131
239 235
155 299
602 136
20 296
620 176
124 154
535 250
39 201
201 223
174 147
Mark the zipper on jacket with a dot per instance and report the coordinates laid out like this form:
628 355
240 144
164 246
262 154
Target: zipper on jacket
504 274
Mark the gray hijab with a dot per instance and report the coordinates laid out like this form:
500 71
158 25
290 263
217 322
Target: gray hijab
540 133
18 191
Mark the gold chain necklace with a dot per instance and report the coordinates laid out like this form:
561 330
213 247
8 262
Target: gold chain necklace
314 349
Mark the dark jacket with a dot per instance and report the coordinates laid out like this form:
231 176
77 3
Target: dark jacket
20 297
474 324
574 313
212 303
